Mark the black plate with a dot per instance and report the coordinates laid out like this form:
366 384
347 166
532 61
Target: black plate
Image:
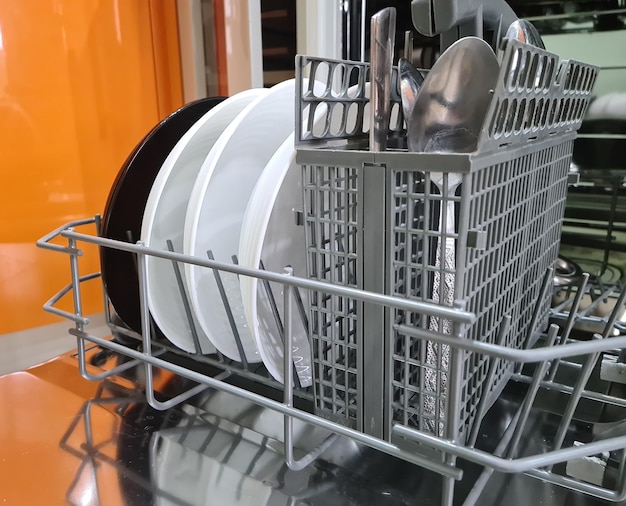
127 199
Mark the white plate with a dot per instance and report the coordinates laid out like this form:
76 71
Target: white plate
270 234
164 218
216 208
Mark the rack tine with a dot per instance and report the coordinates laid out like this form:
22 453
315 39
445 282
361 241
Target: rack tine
131 239
229 313
97 220
292 463
614 314
583 376
480 413
273 305
538 375
278 320
185 299
545 284
574 399
481 482
571 320
301 308
601 295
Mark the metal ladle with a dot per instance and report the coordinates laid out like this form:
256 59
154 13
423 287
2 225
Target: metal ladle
448 117
525 31
451 107
449 113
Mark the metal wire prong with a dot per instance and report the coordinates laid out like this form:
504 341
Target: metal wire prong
183 293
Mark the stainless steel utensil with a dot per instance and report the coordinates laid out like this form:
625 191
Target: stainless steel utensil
383 34
410 83
448 18
454 98
448 117
450 109
524 31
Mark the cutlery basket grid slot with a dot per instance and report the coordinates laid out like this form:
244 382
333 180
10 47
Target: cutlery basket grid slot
372 222
518 204
332 197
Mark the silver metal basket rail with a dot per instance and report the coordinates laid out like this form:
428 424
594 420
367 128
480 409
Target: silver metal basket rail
150 358
504 460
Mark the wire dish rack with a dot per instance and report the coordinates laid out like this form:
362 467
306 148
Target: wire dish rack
371 245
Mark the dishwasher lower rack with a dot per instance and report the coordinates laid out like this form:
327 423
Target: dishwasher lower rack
555 365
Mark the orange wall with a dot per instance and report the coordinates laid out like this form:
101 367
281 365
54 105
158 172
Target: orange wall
81 82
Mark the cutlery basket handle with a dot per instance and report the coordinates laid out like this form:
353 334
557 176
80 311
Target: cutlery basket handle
440 17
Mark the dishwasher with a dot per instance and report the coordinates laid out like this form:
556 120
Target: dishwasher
441 371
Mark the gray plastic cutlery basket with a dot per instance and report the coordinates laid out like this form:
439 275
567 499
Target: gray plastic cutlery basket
372 222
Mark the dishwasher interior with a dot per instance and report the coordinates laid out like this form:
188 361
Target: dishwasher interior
452 359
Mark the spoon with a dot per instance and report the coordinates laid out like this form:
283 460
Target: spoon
450 109
447 117
525 31
410 83
452 103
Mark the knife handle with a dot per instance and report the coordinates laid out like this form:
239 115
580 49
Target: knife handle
383 35
437 17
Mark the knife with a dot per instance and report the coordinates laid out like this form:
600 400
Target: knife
383 35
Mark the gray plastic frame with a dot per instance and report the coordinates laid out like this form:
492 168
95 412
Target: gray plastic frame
371 217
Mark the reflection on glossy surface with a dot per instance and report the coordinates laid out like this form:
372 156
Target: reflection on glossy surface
33 470
410 83
99 443
80 84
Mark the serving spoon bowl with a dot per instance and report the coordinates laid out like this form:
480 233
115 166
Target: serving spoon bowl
447 117
524 31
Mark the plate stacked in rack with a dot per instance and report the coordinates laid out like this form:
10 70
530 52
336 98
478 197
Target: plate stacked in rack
126 202
215 214
227 190
272 239
164 219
